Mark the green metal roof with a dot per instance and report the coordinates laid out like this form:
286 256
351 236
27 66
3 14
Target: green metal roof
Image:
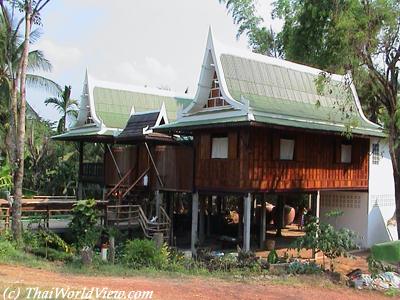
82 133
114 106
280 90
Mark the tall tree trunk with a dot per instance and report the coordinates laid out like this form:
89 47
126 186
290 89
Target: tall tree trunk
20 141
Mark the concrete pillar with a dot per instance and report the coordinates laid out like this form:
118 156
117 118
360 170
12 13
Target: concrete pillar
247 200
317 204
195 217
202 220
263 221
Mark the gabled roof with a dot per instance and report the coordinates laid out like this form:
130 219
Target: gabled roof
140 126
272 91
105 107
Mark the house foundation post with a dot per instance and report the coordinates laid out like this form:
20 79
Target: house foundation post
247 201
80 175
209 211
263 222
202 221
195 217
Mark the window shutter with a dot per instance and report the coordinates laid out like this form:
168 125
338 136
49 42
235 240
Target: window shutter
233 145
205 146
276 141
299 150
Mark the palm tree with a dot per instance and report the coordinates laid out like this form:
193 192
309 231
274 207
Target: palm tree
16 61
66 106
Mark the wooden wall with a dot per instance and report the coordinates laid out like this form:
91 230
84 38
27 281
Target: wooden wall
174 163
253 162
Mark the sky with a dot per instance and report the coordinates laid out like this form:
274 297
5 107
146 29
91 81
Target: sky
156 43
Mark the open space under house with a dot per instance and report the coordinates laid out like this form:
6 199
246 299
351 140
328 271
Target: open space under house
219 167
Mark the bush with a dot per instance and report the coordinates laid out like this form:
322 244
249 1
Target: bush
298 267
144 253
52 254
83 224
7 250
323 237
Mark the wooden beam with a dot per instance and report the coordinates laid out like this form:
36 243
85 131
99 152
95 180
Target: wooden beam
80 187
263 221
195 218
202 220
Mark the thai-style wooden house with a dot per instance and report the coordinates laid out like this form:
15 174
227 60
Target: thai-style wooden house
138 165
264 127
258 129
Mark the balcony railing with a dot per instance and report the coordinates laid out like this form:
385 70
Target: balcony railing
93 172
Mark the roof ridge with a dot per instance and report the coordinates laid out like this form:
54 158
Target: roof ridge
138 89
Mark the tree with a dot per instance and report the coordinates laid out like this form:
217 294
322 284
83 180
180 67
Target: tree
261 39
361 36
66 106
17 69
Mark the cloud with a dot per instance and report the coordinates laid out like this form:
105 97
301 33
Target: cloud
128 72
165 73
61 56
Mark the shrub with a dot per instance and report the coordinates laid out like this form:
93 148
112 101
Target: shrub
83 223
272 257
298 267
52 254
144 253
322 237
7 250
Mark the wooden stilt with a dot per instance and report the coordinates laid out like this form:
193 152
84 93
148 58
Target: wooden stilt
195 217
247 200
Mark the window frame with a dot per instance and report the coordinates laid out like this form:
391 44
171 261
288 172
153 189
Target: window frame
224 137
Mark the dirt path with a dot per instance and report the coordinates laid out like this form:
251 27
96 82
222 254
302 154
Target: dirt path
197 288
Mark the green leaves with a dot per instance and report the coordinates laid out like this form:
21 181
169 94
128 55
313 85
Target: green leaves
323 237
84 223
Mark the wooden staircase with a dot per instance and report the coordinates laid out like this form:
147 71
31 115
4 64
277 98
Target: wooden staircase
130 215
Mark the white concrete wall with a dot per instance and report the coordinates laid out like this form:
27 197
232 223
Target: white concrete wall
381 200
355 212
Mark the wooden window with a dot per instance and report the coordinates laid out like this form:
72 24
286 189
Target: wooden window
345 154
375 154
286 149
219 147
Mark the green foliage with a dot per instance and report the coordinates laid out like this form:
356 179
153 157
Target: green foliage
66 106
52 254
322 237
376 267
272 257
84 223
298 268
144 253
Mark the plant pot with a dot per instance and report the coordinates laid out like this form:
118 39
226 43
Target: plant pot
270 245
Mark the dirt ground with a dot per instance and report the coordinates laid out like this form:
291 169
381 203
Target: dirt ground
182 288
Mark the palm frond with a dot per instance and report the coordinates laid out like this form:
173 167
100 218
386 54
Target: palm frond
38 81
56 102
38 62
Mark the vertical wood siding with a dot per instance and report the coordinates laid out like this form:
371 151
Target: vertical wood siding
253 162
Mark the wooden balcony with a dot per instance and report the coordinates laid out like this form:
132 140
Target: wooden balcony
92 173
